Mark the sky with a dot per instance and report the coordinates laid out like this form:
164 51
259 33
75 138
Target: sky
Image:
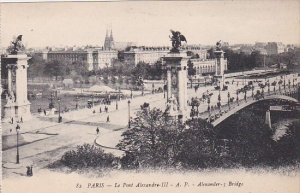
149 23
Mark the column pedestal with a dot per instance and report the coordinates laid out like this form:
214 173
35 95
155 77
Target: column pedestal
20 108
176 64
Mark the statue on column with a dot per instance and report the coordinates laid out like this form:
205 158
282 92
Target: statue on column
16 46
219 45
176 39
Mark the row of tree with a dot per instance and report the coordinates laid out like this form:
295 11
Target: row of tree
56 68
242 61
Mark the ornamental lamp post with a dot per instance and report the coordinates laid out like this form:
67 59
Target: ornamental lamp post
152 88
128 113
92 100
293 82
116 104
208 108
76 100
228 96
51 105
59 117
119 94
219 99
18 156
237 96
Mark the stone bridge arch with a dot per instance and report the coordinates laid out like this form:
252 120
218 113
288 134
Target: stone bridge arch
246 104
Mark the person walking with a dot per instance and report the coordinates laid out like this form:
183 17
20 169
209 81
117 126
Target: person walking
100 110
107 119
97 130
12 120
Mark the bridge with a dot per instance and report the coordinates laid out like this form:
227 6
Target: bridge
217 115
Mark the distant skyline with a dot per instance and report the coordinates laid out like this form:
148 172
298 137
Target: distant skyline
148 23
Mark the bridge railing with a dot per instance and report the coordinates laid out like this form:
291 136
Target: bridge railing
216 113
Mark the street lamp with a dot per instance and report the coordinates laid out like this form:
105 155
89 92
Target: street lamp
92 100
59 117
152 88
252 88
18 156
128 113
208 108
76 100
219 100
228 96
51 105
116 104
237 97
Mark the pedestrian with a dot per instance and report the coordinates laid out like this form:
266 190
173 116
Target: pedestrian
94 111
12 120
107 119
21 119
100 110
29 171
97 130
45 112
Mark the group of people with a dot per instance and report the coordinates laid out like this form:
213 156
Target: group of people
12 120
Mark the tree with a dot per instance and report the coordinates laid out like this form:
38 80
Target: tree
198 144
211 53
120 80
250 138
79 67
105 79
156 140
55 68
191 70
113 80
148 141
36 66
287 148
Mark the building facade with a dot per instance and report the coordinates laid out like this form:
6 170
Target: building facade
206 66
151 55
274 48
95 58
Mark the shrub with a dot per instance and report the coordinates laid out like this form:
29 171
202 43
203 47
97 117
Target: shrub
88 156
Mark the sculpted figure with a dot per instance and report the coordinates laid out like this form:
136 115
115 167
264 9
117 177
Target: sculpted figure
176 39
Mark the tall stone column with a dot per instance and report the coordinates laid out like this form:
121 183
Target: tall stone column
181 91
178 62
216 67
20 108
9 79
169 83
185 75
